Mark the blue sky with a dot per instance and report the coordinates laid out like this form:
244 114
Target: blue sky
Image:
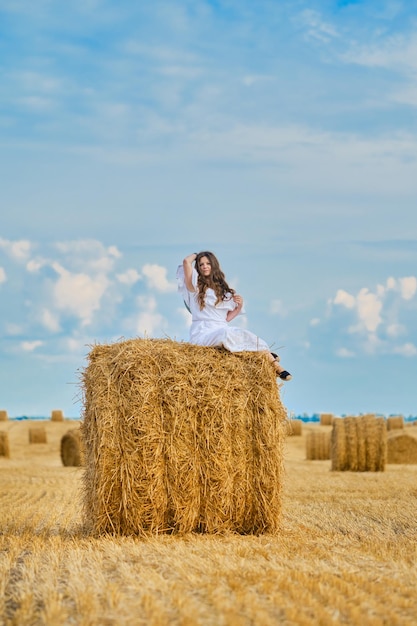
280 135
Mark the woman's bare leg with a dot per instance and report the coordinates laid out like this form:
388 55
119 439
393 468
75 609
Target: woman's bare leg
278 368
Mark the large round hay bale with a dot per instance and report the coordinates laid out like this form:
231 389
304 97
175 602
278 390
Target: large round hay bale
351 434
394 422
3 416
376 440
326 419
57 415
37 434
181 438
71 452
359 444
4 444
294 427
402 447
338 445
318 446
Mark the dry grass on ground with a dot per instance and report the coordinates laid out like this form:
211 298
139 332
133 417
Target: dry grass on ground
346 554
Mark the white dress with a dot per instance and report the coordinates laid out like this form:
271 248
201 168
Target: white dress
209 326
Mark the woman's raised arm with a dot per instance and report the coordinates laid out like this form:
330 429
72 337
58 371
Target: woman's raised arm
188 270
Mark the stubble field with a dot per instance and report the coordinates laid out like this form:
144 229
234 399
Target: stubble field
346 553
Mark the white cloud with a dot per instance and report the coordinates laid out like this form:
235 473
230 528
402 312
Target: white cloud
129 277
148 320
407 95
3 276
88 254
19 250
36 81
252 79
30 346
372 344
34 265
14 329
408 287
312 152
50 321
395 330
379 316
344 298
369 308
76 345
157 278
380 290
407 349
114 251
36 104
397 52
277 308
315 321
316 27
78 293
344 353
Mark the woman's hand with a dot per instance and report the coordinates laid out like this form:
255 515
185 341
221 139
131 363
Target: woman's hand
232 314
239 301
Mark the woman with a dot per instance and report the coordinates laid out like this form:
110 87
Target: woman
213 304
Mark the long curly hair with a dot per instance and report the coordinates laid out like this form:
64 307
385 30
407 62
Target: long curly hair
216 280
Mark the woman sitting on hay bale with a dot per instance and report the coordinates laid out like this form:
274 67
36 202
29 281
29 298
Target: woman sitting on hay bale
213 304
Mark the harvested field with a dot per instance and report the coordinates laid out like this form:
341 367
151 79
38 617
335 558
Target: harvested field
346 539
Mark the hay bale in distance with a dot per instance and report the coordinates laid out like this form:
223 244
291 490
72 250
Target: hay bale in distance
318 446
402 447
4 444
71 451
3 416
338 445
37 434
326 419
395 422
57 415
294 427
359 444
181 438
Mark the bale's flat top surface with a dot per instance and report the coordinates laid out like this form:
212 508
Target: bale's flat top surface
346 553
